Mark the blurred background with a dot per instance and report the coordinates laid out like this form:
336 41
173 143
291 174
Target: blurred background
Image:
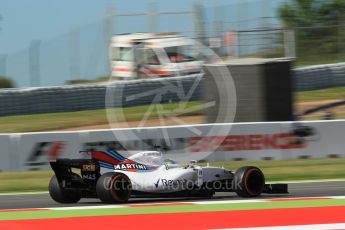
60 59
67 43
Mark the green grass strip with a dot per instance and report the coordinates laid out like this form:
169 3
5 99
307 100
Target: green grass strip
295 169
62 120
333 93
169 209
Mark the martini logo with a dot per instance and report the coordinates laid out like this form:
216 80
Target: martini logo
126 167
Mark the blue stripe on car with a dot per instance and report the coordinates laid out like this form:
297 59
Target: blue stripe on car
115 155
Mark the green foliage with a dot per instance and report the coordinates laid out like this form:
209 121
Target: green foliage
311 13
319 27
6 83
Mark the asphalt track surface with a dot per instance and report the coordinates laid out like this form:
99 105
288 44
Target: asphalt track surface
43 200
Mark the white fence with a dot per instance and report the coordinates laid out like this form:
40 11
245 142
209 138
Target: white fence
247 141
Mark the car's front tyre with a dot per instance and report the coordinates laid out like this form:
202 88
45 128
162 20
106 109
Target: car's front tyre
249 181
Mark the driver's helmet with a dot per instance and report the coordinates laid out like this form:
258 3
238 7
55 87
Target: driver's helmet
149 158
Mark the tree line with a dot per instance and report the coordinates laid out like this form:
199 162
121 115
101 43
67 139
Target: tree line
319 27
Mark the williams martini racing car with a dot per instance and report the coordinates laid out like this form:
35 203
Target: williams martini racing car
113 178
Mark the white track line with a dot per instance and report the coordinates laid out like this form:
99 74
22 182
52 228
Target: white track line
266 200
297 227
306 181
88 207
207 202
23 193
336 197
190 203
230 201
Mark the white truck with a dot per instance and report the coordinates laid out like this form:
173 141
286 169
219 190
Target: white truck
151 55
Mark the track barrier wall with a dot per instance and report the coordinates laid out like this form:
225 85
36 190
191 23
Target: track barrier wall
319 76
245 141
89 97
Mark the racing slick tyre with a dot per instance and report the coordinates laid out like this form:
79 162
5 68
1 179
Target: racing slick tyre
248 181
114 188
61 195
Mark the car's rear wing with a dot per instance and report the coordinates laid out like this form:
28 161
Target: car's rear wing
63 167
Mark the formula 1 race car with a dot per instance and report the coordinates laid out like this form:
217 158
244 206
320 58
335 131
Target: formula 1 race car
113 178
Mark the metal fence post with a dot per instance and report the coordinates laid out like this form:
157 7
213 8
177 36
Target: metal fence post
108 32
74 54
199 24
289 44
34 62
3 64
153 19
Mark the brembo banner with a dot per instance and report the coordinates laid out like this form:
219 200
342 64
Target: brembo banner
206 142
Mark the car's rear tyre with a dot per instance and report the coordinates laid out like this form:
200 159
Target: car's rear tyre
61 195
249 181
114 188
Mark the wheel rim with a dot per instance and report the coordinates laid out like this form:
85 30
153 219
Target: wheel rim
254 182
120 188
